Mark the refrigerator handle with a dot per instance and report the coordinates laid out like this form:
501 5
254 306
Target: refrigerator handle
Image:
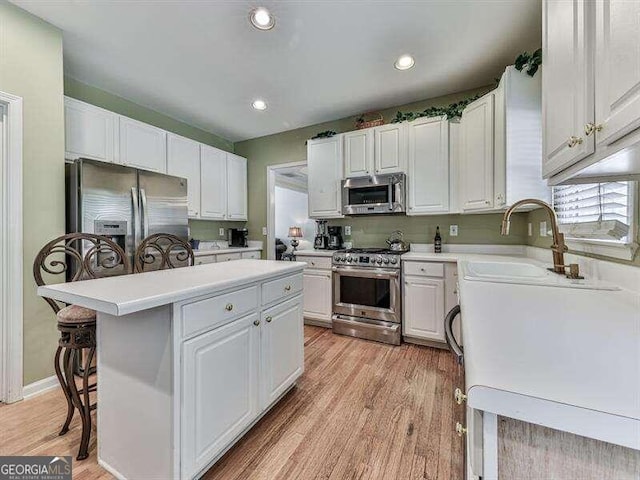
136 216
145 213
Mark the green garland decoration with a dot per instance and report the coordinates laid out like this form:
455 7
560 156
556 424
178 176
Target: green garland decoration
529 62
325 134
453 110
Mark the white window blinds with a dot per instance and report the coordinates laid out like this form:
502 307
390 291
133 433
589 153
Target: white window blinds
594 210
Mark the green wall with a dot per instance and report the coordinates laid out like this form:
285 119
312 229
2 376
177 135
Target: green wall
367 231
208 229
80 91
31 67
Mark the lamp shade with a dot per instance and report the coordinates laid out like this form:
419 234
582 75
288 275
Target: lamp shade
295 232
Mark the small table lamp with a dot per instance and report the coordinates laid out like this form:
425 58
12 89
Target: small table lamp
295 233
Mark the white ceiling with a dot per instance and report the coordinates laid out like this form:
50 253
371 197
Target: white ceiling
201 62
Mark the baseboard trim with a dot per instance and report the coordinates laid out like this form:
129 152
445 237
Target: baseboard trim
39 387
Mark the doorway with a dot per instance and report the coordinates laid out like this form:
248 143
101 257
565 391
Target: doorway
287 207
11 251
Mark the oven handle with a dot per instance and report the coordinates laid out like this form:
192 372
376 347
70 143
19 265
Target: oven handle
351 272
448 334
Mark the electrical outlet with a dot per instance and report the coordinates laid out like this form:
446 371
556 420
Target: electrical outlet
347 230
543 229
453 230
221 231
264 231
530 229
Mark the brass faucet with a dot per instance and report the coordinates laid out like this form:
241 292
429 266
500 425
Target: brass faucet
558 247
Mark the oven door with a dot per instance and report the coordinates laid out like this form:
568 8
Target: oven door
367 292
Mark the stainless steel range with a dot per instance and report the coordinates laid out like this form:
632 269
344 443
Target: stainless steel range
367 300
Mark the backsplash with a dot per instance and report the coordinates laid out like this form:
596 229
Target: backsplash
209 230
372 231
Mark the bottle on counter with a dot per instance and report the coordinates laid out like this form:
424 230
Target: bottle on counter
437 241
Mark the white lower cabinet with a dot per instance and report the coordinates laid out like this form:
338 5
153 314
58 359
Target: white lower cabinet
233 372
424 308
282 352
220 390
318 301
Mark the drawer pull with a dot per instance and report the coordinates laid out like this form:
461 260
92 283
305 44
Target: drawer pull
573 141
229 307
268 319
460 430
287 288
459 396
256 322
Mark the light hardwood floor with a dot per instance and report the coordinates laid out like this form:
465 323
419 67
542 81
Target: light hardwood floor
362 410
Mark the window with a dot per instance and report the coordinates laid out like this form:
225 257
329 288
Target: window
596 211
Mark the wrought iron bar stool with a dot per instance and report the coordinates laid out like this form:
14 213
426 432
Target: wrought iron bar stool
162 251
78 256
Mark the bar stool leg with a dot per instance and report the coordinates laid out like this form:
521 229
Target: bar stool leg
86 407
75 396
64 386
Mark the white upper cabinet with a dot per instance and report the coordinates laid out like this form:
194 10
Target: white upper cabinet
591 89
567 84
213 183
90 132
390 148
358 153
142 145
236 187
183 160
476 155
617 69
428 175
324 162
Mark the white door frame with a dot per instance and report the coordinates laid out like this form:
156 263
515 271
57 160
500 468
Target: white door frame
271 204
11 250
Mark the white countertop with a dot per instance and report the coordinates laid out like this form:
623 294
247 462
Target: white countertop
219 251
315 253
127 294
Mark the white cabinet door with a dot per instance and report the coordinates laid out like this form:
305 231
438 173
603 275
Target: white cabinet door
236 187
183 160
213 183
424 308
476 155
428 176
317 299
205 259
282 347
143 146
252 255
390 148
90 132
219 390
567 83
324 162
617 69
358 153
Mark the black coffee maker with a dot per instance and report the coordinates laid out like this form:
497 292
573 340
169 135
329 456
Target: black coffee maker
238 237
335 238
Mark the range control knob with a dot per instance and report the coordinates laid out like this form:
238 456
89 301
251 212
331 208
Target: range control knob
385 260
379 259
394 261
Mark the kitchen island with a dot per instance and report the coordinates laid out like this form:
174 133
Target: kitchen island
189 359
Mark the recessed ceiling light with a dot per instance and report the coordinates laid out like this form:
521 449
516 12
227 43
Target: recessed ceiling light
404 62
262 19
259 104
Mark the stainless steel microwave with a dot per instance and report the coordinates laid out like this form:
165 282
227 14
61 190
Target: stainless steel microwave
374 194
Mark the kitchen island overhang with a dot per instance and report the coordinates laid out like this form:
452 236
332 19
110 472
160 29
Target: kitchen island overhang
189 359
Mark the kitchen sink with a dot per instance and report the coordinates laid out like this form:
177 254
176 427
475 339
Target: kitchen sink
525 274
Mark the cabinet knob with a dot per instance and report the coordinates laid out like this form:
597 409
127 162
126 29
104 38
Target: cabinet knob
573 141
459 396
460 430
229 307
590 127
287 288
256 322
268 319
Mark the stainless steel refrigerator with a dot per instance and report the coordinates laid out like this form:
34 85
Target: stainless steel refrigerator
124 203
